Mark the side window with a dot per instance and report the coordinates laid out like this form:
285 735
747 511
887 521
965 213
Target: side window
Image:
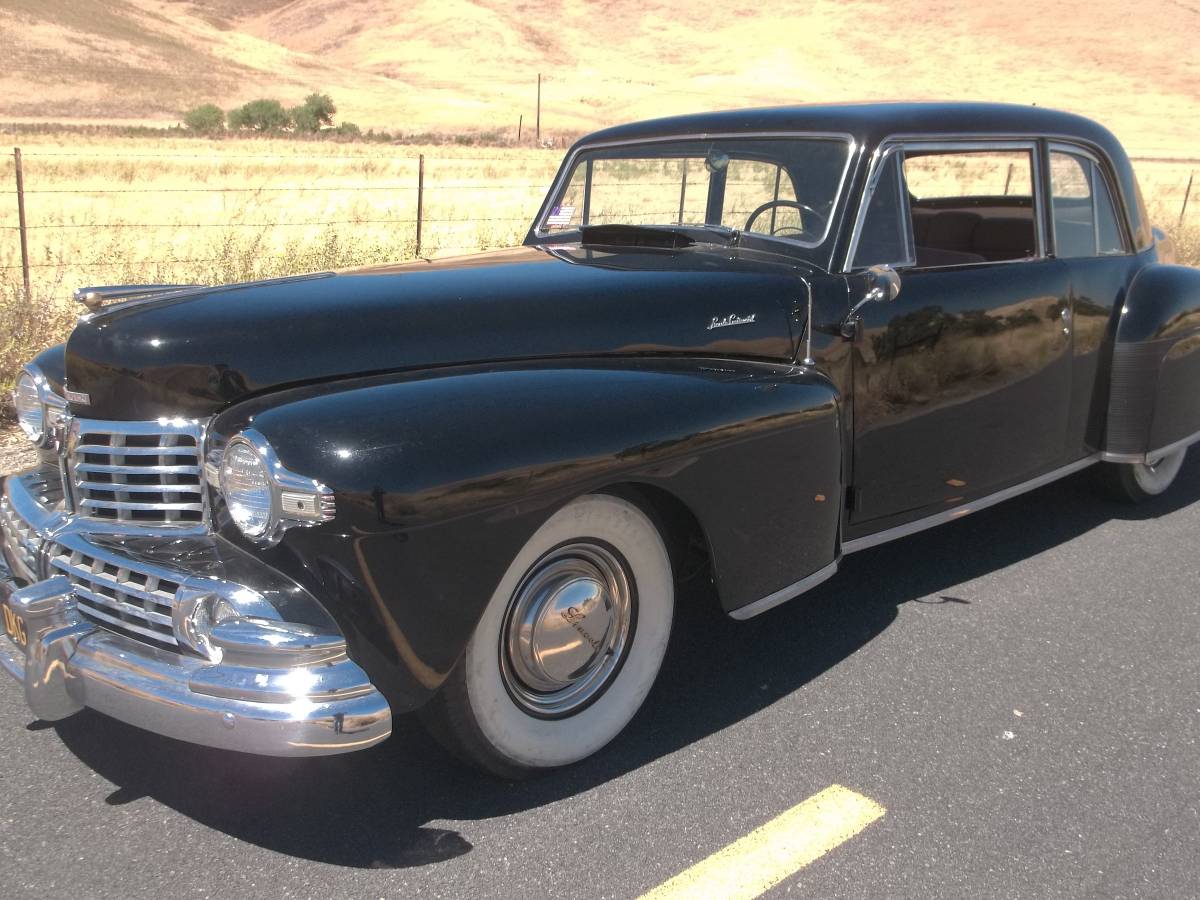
884 238
1085 220
748 185
971 206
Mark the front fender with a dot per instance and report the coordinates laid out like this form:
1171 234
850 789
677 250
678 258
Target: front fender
441 477
1154 396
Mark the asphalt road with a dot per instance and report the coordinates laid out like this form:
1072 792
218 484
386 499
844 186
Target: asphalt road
1020 690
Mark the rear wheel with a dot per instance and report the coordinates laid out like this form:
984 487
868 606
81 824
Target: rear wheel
1137 482
568 646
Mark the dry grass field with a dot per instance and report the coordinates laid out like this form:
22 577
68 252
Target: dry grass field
471 65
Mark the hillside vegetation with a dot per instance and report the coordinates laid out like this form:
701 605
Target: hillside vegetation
454 65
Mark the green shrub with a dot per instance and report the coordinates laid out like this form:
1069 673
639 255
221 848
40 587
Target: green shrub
206 119
260 115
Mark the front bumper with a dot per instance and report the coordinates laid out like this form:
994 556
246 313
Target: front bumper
267 692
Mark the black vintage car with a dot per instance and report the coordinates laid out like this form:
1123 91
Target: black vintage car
269 517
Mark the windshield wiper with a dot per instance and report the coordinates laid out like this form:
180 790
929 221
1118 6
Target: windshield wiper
668 237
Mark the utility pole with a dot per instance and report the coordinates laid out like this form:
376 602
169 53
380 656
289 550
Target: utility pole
539 110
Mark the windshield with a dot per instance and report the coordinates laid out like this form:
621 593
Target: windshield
784 188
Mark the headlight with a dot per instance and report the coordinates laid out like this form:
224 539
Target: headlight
246 485
31 413
265 499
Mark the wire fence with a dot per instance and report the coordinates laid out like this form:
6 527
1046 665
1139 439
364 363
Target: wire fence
456 208
409 212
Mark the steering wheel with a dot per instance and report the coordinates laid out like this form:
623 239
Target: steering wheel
779 230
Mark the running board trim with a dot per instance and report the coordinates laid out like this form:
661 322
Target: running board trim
788 593
1145 458
950 515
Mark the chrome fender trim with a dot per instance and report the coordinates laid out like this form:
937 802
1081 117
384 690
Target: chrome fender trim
965 509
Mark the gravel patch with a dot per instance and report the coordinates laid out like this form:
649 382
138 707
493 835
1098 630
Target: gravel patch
16 453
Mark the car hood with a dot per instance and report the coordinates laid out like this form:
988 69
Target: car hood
195 352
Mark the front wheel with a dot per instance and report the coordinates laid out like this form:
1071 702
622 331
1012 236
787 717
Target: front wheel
1137 482
568 646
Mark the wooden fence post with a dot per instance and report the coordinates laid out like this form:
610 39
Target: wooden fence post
420 198
1182 212
21 221
520 122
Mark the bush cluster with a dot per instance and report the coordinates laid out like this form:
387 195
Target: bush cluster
267 116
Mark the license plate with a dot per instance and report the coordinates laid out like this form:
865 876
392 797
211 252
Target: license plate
14 627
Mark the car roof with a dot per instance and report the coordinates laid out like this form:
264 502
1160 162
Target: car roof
869 124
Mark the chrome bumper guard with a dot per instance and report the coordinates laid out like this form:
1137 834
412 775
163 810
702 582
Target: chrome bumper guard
269 691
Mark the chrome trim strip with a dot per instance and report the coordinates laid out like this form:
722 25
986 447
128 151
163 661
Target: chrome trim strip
568 166
1110 457
751 610
1145 458
883 158
1171 448
965 509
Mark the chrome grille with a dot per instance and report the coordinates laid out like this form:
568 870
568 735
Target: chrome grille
118 596
20 538
140 472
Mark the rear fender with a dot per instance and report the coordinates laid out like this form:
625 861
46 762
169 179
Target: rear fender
1154 393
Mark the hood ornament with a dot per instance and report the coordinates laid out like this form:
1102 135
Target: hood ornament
730 320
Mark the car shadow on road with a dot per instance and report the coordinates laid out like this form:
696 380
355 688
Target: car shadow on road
374 809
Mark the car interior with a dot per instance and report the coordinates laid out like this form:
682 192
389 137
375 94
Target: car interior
956 231
970 207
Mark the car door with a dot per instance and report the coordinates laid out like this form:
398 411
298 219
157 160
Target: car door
1090 238
962 383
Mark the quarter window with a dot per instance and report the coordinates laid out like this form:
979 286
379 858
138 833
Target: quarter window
1085 220
884 238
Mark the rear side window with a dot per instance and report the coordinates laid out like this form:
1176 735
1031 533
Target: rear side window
971 206
940 206
1085 219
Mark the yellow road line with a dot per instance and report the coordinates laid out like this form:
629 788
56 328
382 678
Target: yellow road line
763 858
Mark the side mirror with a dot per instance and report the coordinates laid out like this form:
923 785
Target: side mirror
883 286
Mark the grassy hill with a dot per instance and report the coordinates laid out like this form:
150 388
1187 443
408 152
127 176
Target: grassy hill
455 65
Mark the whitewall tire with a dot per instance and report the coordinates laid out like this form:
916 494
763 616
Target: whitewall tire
568 646
1137 482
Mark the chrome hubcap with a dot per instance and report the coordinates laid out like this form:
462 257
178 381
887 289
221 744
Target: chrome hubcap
567 629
